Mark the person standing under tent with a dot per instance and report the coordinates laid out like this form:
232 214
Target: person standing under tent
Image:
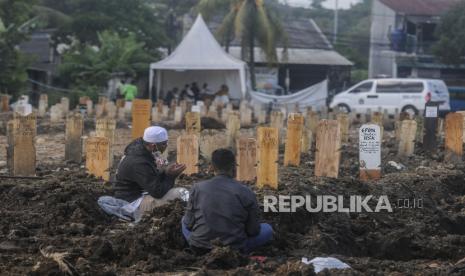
222 96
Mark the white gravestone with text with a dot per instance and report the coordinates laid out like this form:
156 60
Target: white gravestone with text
370 151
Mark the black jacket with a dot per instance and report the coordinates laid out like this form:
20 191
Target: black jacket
221 208
137 173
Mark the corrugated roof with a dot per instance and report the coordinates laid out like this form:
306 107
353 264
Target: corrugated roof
299 56
420 7
301 33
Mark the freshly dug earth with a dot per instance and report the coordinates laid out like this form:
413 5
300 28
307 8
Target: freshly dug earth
53 225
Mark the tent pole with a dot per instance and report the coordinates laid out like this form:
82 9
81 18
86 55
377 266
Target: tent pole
150 83
158 83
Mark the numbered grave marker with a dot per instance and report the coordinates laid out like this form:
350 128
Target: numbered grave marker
188 152
140 117
370 152
193 123
246 159
73 138
21 152
408 133
295 124
328 145
453 137
98 157
267 157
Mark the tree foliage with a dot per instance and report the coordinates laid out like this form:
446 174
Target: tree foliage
13 64
450 47
90 17
251 22
84 64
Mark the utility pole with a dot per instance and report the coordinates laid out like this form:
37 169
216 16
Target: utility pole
336 19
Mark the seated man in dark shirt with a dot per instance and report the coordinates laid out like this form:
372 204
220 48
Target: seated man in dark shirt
144 180
222 208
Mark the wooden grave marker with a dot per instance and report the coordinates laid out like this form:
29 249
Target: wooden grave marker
295 125
246 159
56 113
99 110
233 126
463 114
408 132
5 106
370 152
106 128
328 145
65 105
140 116
98 157
73 138
246 117
312 121
398 124
21 152
89 107
420 128
156 115
267 157
344 123
453 137
377 118
307 141
430 142
209 142
277 121
193 125
261 118
43 105
178 114
188 152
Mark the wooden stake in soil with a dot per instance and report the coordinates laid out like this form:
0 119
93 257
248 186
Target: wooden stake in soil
188 152
246 116
295 125
98 157
65 105
267 157
5 107
177 114
73 135
233 126
43 105
328 145
312 121
246 159
430 143
21 152
344 122
370 152
140 117
463 114
193 123
307 141
453 137
408 132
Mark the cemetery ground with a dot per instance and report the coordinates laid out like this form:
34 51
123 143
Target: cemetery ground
52 225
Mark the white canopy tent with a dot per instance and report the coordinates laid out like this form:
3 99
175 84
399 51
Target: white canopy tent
199 58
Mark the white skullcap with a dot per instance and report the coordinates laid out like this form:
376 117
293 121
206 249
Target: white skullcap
155 134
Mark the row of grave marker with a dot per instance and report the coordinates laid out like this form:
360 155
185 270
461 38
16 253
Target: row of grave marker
21 133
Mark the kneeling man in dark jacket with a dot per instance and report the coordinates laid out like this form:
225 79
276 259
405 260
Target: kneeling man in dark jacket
223 208
143 178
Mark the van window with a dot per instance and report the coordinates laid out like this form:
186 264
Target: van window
388 86
412 87
362 88
394 86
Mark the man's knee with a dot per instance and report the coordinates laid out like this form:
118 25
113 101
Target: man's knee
266 231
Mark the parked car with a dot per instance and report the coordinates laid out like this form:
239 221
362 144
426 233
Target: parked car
407 95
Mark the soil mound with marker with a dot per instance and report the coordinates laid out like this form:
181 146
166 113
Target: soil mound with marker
52 225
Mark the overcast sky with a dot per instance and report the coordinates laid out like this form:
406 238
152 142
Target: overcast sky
343 4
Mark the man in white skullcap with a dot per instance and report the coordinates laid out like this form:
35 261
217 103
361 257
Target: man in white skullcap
143 178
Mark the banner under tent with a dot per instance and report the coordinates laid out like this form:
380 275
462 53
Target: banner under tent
314 96
199 58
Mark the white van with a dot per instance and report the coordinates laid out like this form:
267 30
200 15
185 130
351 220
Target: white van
408 95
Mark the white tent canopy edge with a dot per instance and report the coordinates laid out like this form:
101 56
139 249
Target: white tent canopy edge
200 58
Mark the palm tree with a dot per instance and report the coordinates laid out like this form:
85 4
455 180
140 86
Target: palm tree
249 21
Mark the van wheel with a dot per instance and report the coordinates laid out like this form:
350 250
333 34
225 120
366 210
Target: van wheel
343 108
411 110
